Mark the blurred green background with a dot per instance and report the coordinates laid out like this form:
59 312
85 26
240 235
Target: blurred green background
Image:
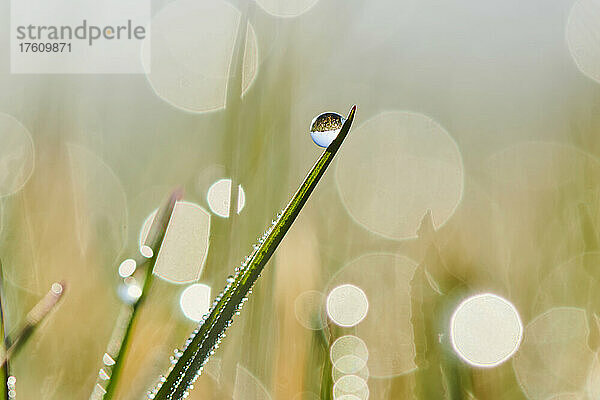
486 114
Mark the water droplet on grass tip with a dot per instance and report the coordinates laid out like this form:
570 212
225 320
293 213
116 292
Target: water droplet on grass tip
56 288
325 128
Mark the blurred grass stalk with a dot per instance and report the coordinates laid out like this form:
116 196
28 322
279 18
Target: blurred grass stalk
187 364
121 337
12 344
4 371
15 343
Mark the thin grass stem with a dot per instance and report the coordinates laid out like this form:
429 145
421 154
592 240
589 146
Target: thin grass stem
4 369
187 364
32 320
152 244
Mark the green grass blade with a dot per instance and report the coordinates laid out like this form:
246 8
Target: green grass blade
202 343
4 370
153 241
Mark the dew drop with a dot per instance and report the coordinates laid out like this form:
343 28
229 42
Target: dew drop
108 360
103 375
325 128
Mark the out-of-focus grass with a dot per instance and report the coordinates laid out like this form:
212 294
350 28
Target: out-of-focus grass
4 371
153 241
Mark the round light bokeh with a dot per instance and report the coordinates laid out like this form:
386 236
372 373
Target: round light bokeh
185 245
191 52
347 305
219 195
17 156
485 330
195 301
129 291
555 357
351 385
348 345
413 166
57 288
349 365
145 250
308 308
387 329
127 268
583 37
134 291
286 8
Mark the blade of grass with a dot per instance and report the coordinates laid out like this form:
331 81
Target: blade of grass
202 343
33 319
326 377
114 346
233 118
153 242
4 370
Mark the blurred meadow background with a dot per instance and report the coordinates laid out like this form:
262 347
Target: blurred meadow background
472 167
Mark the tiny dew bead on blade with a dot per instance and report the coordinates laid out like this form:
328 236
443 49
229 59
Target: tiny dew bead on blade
325 127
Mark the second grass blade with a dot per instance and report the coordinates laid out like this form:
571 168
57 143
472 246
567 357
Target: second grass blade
202 343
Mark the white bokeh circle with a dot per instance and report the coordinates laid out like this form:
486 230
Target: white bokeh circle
413 165
219 195
347 305
555 356
351 385
184 248
485 330
349 365
387 329
191 52
583 37
127 268
308 308
195 301
348 345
